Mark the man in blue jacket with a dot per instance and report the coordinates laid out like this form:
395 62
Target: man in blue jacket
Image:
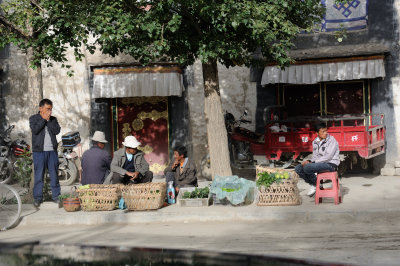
325 157
96 161
44 129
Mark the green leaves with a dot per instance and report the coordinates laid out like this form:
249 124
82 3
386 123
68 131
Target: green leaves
197 193
228 31
267 179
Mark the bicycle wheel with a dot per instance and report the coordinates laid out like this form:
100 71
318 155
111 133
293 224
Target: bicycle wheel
5 171
10 207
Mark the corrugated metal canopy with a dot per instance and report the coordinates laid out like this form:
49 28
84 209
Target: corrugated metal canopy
119 82
319 70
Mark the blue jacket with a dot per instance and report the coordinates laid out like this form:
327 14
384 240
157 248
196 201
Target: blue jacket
37 124
95 165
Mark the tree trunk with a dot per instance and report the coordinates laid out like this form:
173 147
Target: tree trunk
35 91
217 136
35 85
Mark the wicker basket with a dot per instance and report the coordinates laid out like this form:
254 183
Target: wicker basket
119 187
98 199
284 193
147 196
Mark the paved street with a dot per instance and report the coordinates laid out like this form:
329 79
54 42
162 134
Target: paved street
368 243
363 230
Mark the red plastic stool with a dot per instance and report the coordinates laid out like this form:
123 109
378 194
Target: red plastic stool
333 192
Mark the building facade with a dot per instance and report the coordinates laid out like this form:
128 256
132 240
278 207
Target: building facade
351 65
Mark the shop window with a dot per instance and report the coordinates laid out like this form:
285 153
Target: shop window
302 100
345 98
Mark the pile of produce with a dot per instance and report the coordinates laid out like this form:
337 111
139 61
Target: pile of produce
266 179
196 193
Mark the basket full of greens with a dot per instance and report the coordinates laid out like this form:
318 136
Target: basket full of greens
277 188
194 197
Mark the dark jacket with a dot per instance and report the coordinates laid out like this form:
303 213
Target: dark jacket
119 159
95 165
37 124
188 176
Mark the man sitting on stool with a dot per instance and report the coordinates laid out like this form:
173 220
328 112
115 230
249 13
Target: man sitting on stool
325 158
129 165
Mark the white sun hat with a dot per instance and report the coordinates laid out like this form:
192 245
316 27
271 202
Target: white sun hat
131 142
99 136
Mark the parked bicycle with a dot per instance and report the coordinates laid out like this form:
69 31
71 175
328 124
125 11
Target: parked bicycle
10 207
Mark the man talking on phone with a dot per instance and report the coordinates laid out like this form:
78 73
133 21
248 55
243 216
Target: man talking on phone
44 129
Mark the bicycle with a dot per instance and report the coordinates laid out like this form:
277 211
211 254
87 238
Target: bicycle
10 207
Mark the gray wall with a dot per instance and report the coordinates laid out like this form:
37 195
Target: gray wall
380 37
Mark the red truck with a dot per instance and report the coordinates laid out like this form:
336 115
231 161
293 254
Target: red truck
289 141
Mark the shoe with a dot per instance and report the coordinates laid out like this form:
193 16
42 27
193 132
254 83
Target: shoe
36 204
311 192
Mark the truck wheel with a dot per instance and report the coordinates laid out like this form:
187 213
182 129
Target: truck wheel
343 167
68 174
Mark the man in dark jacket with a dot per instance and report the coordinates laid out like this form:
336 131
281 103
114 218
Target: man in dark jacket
182 170
96 161
44 129
129 165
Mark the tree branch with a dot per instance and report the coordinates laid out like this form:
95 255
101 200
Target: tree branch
186 14
13 28
36 4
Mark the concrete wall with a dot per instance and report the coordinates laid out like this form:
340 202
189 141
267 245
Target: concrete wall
74 107
383 31
380 37
237 94
14 87
70 95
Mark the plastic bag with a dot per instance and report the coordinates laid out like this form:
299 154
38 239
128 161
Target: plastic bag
236 190
122 204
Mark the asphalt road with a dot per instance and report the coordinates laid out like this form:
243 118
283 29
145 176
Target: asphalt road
367 243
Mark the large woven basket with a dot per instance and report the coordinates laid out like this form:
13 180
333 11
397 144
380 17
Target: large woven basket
98 199
147 196
119 187
285 193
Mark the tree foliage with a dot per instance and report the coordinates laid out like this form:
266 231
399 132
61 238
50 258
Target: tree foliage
228 31
45 27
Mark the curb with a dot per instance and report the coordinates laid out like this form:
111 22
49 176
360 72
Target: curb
206 214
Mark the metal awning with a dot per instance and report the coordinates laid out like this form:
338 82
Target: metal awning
119 82
315 71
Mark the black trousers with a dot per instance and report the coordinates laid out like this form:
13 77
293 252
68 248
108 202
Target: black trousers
125 179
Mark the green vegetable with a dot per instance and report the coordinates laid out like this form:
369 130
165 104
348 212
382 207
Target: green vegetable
266 179
66 196
196 193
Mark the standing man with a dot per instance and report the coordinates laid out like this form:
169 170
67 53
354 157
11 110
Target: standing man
182 171
129 165
44 129
325 158
96 161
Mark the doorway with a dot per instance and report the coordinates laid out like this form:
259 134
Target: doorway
147 119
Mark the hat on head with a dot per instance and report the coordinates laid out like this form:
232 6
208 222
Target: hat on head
131 142
99 136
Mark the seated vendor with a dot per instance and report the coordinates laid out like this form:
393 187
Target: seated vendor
129 165
325 158
182 170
